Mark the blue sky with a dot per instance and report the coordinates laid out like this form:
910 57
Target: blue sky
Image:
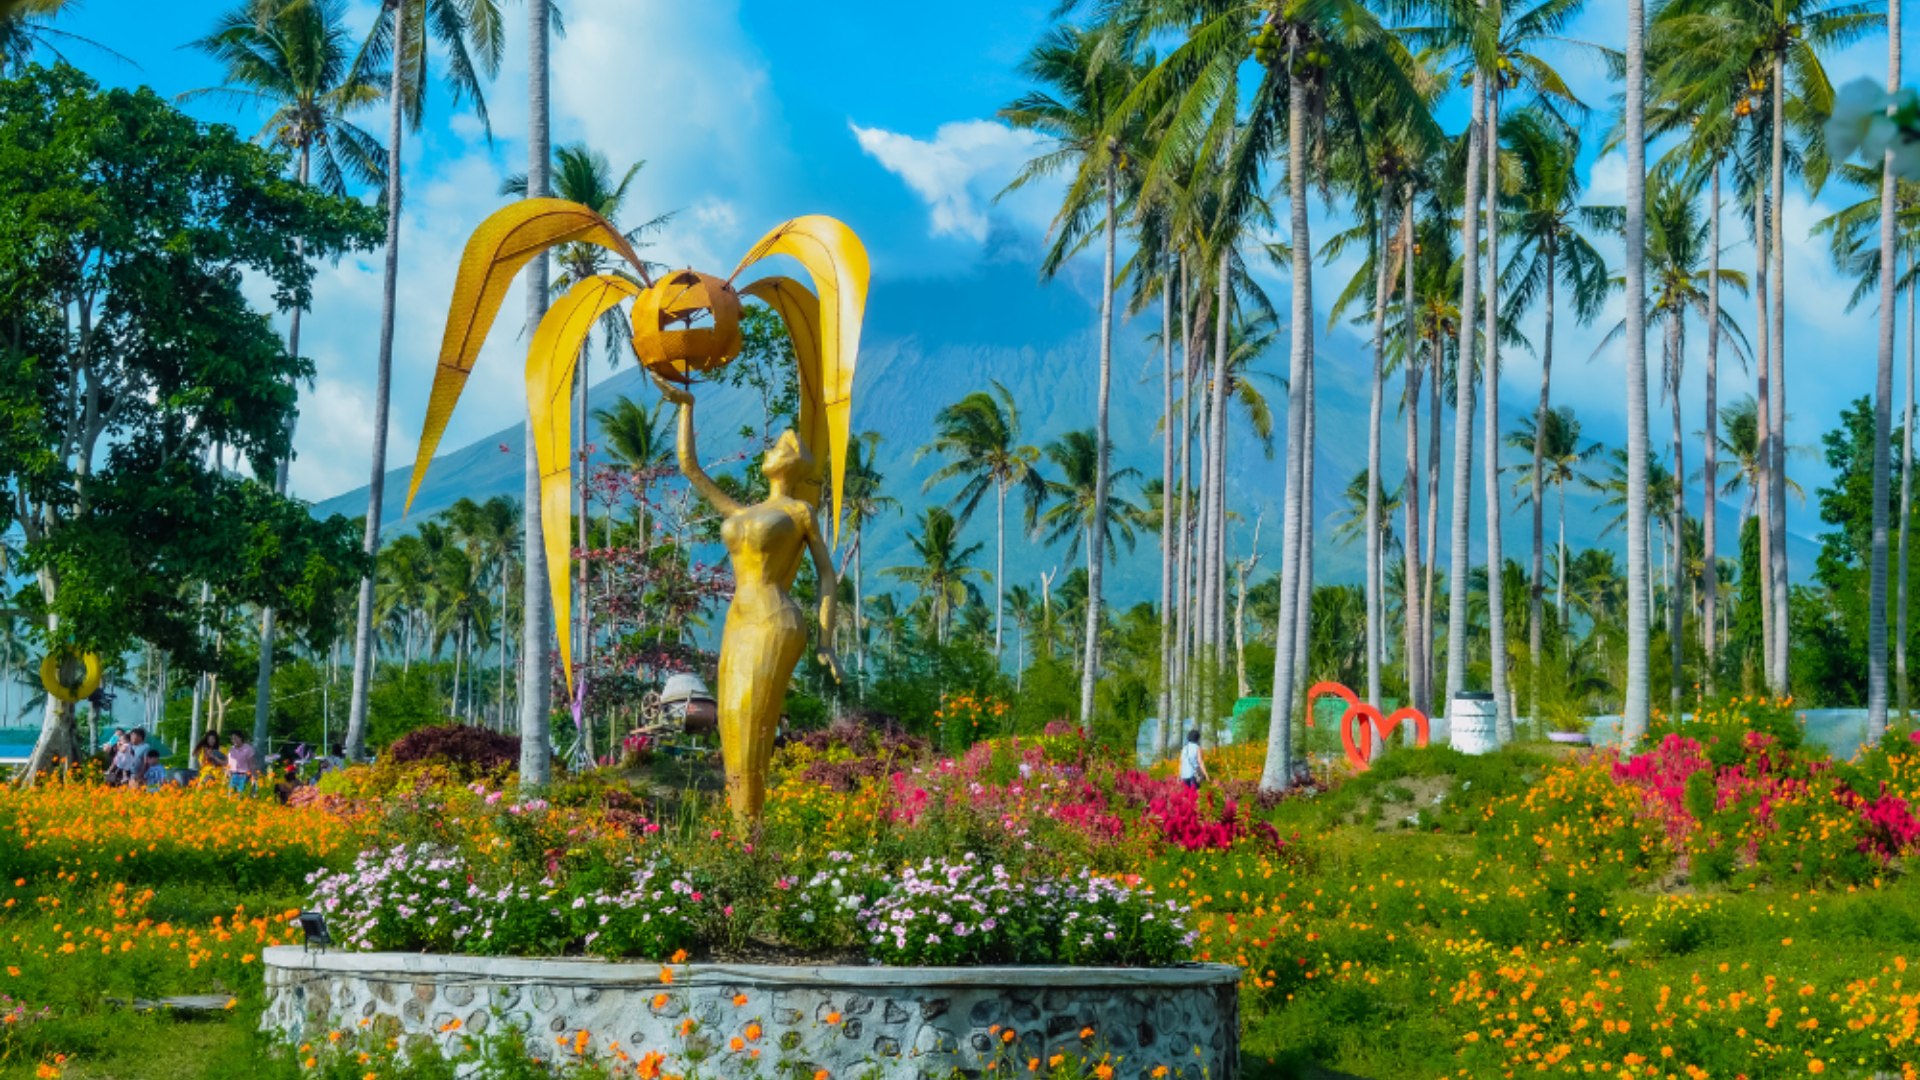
882 114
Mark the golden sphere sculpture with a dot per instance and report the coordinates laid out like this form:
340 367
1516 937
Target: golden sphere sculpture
679 300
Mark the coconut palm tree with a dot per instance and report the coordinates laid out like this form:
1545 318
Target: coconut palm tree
944 576
1073 518
1768 45
1315 61
1084 77
582 175
1682 265
1637 707
640 440
1559 457
1387 177
1350 523
1848 229
1501 46
536 613
979 437
488 534
1709 126
1615 488
294 60
26 26
1746 470
1545 217
861 503
471 36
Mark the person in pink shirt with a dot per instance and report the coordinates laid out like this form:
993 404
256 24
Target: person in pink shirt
243 764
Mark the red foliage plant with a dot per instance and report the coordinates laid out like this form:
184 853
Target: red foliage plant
471 751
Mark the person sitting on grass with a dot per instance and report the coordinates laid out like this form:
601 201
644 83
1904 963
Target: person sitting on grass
243 764
1192 768
152 773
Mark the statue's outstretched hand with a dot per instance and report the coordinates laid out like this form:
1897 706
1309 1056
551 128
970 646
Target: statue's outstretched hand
672 391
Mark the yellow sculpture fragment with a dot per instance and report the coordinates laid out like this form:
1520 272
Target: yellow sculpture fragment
765 631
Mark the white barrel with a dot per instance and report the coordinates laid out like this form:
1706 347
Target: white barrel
1470 723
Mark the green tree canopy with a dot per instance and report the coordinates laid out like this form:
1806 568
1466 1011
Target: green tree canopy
131 361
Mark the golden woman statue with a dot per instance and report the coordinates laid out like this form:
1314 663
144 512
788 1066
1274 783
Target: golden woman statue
765 631
684 324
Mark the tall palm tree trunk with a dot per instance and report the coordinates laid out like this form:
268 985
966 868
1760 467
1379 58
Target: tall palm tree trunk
1762 494
1096 539
364 656
263 683
1168 542
1277 771
1458 552
1710 468
1435 359
1637 707
1376 408
583 593
1906 506
1777 417
1217 460
1496 607
1883 418
999 564
536 618
1536 584
1303 610
1560 574
1203 525
1411 606
1183 553
1676 611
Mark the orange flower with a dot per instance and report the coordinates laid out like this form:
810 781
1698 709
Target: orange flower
666 976
833 1018
1086 1033
736 1044
1104 1071
580 1041
649 1066
753 1032
820 1074
659 1001
1007 1036
739 1000
679 956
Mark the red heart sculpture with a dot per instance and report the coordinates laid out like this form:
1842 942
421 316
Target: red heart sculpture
1358 738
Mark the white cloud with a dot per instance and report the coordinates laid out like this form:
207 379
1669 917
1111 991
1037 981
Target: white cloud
957 172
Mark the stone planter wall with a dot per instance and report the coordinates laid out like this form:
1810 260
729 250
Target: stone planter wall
850 1021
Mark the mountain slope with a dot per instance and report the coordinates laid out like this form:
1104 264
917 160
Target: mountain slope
927 343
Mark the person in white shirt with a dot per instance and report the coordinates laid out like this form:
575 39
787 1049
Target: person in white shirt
1192 768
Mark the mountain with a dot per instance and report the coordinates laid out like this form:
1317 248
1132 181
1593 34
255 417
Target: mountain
929 342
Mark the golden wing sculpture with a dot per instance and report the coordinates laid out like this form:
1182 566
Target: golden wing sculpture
824 324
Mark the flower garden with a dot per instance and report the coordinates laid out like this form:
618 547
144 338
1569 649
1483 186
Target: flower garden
1726 903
